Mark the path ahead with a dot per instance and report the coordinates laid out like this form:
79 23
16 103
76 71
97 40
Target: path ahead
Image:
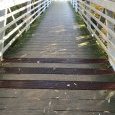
59 70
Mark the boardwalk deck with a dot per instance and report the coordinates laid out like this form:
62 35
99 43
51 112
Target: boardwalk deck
58 71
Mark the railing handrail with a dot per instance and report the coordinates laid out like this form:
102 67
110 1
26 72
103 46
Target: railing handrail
10 3
110 5
19 10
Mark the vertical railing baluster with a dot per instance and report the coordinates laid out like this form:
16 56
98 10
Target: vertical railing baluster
29 14
87 14
2 34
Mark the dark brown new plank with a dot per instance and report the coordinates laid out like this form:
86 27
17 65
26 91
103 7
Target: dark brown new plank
55 60
65 71
60 85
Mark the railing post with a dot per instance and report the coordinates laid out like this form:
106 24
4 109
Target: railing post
45 4
89 17
28 15
73 3
76 5
111 49
47 1
2 34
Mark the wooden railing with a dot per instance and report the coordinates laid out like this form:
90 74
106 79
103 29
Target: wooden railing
16 19
99 16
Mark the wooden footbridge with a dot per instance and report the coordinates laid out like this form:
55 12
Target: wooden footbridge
57 57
